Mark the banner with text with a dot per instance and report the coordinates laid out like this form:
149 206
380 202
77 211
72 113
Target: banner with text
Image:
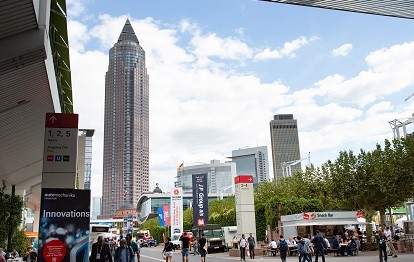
64 225
200 200
166 209
176 210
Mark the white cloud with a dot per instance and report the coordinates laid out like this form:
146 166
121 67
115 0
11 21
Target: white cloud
75 8
343 50
202 112
207 46
390 70
78 35
287 51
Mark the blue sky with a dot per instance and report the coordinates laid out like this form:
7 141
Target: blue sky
219 71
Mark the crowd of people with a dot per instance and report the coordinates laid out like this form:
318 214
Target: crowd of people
199 246
30 255
108 250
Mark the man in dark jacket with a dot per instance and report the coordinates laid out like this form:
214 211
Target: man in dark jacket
382 246
319 246
100 251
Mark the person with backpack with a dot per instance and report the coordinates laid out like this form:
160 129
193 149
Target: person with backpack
134 246
283 248
320 246
302 250
252 244
124 253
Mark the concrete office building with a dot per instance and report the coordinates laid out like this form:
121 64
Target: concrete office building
126 135
85 158
285 144
252 161
220 176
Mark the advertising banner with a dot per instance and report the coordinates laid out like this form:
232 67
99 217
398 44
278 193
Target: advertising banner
160 211
167 220
200 200
176 210
64 225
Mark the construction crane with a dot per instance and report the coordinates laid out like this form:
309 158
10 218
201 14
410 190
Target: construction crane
396 124
409 97
287 166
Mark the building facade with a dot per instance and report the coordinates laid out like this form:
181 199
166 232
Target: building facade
96 207
252 161
220 176
126 135
150 202
85 158
285 145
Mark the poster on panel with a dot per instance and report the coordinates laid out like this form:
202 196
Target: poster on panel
200 200
64 225
176 217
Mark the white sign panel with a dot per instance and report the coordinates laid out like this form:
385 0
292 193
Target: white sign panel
61 143
176 209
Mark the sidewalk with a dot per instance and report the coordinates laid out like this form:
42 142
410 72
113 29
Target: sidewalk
366 256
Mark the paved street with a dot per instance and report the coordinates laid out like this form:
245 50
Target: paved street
154 254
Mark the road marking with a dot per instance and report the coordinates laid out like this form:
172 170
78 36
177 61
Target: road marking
153 258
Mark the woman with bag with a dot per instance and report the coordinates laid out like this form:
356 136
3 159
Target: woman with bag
168 250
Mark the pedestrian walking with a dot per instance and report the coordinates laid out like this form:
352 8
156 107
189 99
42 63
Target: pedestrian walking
382 246
100 251
319 246
243 245
283 248
185 246
124 253
390 245
202 247
134 246
252 244
168 250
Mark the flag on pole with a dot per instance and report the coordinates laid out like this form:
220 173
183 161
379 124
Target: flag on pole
181 167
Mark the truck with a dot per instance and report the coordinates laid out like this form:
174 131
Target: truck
229 233
214 236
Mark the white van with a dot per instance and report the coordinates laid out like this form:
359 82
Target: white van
175 239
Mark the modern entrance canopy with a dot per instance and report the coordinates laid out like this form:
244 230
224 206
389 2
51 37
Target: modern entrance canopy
394 8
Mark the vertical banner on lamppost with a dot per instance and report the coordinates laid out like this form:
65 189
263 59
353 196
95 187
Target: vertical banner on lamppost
177 210
161 220
200 200
167 216
64 225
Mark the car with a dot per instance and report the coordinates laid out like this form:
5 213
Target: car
150 242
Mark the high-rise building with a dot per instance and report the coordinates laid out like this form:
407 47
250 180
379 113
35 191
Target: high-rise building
252 161
126 136
96 207
285 145
85 158
220 176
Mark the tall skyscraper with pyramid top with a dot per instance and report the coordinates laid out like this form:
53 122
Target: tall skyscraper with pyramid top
126 135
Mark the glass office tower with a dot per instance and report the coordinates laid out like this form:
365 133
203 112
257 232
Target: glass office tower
285 145
126 135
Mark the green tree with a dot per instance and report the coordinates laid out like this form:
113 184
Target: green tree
10 220
222 211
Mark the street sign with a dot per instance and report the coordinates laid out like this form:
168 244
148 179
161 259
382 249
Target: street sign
61 143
